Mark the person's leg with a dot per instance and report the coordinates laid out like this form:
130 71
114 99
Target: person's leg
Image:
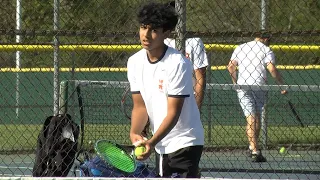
247 104
251 132
253 129
259 101
251 104
256 154
259 98
258 127
185 162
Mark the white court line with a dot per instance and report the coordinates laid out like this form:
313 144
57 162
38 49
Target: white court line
19 167
16 175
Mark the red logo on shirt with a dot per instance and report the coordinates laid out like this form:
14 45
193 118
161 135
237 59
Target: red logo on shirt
188 55
160 84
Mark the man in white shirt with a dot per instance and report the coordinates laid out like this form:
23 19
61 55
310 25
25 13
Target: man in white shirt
162 91
252 59
195 52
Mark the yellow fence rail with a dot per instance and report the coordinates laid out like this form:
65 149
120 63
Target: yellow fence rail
89 47
123 69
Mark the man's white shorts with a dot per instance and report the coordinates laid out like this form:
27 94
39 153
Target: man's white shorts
251 102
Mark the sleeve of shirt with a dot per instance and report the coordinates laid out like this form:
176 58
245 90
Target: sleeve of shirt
235 55
270 57
131 69
200 58
180 79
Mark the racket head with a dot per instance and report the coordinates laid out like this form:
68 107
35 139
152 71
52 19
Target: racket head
115 155
126 103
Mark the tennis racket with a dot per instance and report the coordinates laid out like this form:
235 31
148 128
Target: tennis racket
294 112
127 105
116 155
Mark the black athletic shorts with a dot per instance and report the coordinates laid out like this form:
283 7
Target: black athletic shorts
183 163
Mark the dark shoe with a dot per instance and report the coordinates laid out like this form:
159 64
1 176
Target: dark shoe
258 157
249 152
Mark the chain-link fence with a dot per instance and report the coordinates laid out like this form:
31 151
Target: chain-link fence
43 44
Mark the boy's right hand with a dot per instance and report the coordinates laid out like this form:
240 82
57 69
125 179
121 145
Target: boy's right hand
148 149
138 140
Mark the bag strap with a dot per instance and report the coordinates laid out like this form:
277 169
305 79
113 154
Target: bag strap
81 149
81 115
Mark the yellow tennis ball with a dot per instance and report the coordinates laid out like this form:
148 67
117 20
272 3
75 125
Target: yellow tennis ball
282 150
139 150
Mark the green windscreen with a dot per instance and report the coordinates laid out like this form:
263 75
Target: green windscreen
115 156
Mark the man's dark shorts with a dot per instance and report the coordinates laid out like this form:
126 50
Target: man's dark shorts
183 163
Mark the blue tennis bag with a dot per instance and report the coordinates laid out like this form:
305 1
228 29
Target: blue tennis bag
96 167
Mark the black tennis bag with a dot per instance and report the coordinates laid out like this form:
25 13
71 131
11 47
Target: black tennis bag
57 147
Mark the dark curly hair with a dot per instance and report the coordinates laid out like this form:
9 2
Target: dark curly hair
158 15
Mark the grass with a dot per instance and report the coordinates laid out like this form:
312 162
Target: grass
23 138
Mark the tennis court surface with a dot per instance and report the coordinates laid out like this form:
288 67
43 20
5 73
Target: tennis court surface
221 165
224 154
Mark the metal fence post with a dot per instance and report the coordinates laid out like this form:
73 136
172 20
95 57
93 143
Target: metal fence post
181 26
56 59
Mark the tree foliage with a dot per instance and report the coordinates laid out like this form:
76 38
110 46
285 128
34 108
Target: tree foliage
116 16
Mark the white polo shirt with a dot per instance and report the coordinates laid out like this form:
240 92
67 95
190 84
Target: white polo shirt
195 51
252 58
170 76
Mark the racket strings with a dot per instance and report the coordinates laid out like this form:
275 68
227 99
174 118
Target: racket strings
116 156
